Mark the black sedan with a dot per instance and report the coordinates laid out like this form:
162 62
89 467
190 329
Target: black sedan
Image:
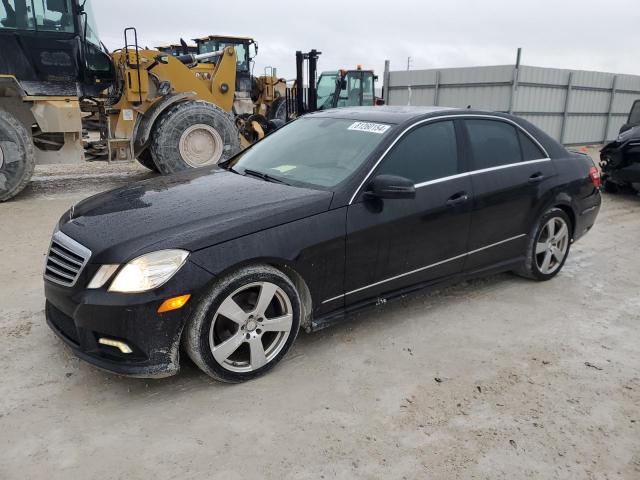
336 211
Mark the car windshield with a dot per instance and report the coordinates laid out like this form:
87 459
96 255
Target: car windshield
318 152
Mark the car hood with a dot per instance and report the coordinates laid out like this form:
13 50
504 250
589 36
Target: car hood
190 210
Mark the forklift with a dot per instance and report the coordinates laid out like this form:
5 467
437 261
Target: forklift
331 89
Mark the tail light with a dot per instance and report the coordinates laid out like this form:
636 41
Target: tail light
594 174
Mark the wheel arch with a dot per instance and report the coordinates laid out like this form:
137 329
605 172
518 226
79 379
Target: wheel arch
144 127
287 268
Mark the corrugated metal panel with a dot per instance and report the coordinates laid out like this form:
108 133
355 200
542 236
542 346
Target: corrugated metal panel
589 101
552 124
539 99
584 129
497 74
540 96
484 98
546 76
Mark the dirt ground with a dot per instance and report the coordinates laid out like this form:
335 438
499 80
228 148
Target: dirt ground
500 378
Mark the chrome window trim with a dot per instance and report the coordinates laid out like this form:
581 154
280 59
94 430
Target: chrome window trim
471 172
482 170
457 257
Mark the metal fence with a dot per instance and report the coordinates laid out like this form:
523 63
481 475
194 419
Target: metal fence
575 107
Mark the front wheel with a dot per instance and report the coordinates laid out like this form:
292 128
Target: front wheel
245 324
548 246
193 134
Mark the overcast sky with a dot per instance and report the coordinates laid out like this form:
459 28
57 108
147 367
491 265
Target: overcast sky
574 34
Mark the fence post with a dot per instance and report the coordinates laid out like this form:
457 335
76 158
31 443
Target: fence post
565 114
436 90
514 81
611 100
385 82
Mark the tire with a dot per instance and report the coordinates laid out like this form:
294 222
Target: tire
278 110
609 186
209 331
146 160
535 257
17 156
193 134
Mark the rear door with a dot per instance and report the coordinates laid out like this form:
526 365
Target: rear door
396 243
509 173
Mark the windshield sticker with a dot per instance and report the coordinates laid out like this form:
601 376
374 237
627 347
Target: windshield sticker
283 168
378 128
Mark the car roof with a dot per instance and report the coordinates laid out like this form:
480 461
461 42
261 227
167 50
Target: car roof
385 114
398 115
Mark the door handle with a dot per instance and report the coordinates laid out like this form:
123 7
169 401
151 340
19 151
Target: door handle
457 199
536 177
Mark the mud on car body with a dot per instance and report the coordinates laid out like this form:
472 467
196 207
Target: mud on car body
337 211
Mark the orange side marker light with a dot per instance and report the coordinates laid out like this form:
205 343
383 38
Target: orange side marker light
174 303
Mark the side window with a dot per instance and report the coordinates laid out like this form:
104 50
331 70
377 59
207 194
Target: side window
426 153
493 143
530 151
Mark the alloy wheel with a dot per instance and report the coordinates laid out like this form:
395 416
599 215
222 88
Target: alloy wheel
250 327
552 245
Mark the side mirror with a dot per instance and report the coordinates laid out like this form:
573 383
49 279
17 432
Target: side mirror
391 186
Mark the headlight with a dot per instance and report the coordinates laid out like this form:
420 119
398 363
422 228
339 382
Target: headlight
148 271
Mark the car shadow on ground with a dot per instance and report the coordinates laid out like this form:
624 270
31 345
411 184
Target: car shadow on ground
190 379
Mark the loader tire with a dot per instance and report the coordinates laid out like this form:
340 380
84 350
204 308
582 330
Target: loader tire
17 156
278 110
193 134
146 160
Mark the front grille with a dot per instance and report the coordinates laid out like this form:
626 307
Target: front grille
65 260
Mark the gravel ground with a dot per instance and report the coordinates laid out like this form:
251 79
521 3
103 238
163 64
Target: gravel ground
500 378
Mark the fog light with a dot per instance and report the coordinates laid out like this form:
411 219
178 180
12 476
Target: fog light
174 303
123 347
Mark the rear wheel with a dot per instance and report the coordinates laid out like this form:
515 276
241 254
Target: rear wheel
193 134
245 325
146 160
17 156
548 246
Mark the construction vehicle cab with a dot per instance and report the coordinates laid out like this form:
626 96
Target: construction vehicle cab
242 47
40 47
346 88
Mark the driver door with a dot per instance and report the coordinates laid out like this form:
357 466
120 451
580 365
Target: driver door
394 244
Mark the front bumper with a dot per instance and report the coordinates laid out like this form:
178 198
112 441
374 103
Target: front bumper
81 317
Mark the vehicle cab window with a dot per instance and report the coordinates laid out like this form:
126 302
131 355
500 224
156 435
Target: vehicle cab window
52 15
428 152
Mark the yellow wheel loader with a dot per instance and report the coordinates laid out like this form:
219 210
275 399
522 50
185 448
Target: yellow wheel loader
169 112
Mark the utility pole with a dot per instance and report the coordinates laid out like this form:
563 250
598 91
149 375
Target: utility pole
409 60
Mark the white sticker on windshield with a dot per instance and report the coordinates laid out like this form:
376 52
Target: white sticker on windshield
378 128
